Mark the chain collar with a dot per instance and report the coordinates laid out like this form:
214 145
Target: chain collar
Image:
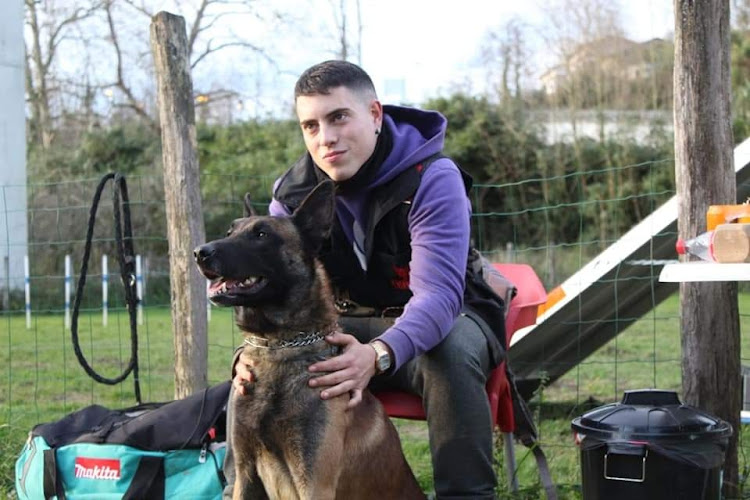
302 339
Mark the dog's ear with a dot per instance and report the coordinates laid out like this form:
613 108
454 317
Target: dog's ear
314 216
249 210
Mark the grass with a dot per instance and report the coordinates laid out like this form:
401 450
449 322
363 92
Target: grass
41 380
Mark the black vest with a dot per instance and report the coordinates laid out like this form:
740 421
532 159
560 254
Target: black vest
387 241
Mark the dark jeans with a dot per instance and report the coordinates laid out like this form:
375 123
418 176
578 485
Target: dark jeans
450 378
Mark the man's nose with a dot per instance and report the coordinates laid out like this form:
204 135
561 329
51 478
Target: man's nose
327 135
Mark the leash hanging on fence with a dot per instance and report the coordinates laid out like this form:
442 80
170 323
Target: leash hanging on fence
126 258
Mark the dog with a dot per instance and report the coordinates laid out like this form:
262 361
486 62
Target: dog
288 442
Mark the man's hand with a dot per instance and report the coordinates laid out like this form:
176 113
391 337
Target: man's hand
243 377
350 371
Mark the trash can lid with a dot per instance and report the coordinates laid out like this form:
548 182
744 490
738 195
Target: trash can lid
650 415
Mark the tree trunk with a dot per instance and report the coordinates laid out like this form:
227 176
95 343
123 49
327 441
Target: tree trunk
711 378
185 228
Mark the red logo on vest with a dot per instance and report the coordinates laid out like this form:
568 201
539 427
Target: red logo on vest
97 468
401 279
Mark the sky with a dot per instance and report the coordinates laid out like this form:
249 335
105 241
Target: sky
443 48
433 47
414 50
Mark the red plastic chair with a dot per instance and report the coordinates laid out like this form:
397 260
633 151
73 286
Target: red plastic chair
521 313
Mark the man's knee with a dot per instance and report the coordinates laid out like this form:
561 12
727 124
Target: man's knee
463 349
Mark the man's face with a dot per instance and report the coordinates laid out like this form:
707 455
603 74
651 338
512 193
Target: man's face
339 130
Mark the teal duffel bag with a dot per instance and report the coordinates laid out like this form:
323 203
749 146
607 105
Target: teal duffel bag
156 451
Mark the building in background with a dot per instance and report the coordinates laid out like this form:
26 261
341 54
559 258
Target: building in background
612 72
13 216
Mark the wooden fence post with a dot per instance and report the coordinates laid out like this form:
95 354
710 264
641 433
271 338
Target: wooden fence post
711 375
185 228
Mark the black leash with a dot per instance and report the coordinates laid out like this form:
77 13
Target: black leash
126 257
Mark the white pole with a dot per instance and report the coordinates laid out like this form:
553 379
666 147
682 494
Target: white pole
105 291
208 302
67 292
139 288
144 277
27 289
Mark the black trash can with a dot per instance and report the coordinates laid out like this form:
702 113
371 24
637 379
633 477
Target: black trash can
651 447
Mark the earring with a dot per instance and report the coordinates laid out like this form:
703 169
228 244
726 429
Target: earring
377 131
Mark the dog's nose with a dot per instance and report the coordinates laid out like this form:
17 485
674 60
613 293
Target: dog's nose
202 253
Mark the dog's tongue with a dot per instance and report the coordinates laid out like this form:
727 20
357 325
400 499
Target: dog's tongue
216 286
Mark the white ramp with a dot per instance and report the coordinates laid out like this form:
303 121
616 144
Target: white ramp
608 294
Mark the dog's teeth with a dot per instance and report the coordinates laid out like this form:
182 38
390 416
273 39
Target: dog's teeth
250 281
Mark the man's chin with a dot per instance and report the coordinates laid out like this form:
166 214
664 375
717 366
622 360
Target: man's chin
339 173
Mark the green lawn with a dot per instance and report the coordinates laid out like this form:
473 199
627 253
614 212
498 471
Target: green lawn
41 380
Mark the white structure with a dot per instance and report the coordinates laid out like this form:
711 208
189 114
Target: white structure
13 224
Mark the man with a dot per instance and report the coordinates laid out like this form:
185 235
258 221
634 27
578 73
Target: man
399 247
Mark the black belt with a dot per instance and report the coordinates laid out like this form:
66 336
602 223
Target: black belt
347 307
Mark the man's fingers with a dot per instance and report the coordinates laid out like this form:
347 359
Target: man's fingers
238 387
338 338
331 379
333 364
243 377
355 397
336 390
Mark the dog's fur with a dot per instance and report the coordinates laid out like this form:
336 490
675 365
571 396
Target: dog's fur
288 442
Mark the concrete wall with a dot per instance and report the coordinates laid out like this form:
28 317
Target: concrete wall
13 220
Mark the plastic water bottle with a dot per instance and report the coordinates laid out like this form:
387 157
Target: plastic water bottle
702 246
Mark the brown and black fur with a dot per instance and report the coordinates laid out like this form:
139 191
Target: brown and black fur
288 442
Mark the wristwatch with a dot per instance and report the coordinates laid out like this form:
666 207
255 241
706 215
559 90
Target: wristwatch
383 358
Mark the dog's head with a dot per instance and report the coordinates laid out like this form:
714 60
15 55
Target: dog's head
263 259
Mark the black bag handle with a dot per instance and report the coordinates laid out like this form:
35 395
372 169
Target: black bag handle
148 481
51 481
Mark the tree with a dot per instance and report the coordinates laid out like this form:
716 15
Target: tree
210 33
506 48
75 94
341 20
48 27
711 377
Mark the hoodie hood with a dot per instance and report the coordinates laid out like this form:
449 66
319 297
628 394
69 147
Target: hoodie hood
417 134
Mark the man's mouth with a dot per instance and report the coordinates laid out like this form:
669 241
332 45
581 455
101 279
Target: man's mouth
333 155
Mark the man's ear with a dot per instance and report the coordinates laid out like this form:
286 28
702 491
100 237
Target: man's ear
314 216
376 110
249 210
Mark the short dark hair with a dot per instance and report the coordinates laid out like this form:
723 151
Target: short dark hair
323 77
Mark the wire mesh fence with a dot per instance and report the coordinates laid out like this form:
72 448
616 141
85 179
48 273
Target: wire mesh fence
41 379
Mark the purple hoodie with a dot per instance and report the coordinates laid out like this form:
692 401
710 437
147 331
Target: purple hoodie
438 224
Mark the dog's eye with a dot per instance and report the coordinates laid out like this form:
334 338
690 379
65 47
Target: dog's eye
260 234
229 232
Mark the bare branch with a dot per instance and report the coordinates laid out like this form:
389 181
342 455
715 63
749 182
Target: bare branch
140 8
195 29
55 36
210 50
132 102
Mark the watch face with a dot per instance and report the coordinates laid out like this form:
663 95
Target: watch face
382 359
384 362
